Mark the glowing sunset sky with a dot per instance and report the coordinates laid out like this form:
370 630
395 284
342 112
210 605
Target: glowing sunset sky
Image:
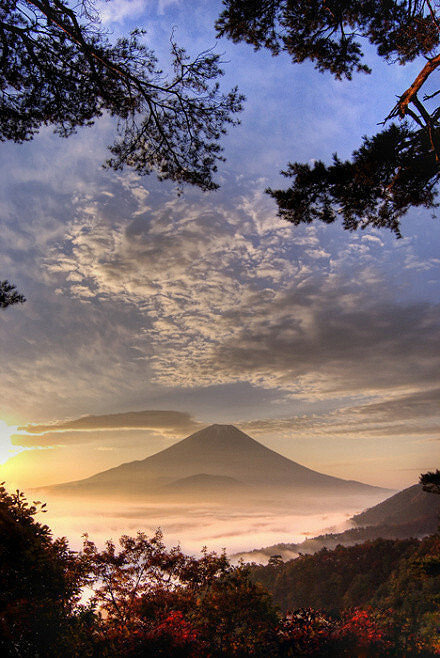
205 307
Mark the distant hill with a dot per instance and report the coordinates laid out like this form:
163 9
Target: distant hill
410 505
409 513
202 484
217 460
350 537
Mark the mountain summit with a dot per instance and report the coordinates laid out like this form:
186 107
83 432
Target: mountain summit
222 454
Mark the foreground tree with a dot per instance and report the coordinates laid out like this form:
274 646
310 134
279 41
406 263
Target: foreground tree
430 482
359 632
392 171
160 602
40 585
57 67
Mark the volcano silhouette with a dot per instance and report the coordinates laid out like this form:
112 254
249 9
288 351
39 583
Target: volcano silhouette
219 460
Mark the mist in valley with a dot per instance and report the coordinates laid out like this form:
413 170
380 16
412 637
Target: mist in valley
236 528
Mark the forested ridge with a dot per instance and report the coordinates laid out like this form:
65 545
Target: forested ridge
361 575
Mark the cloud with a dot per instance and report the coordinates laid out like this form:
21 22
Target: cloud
113 440
157 295
119 11
171 422
413 416
326 341
232 294
424 404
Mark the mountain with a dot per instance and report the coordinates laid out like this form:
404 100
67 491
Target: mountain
218 451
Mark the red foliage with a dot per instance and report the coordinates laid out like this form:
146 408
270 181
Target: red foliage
305 632
359 633
174 636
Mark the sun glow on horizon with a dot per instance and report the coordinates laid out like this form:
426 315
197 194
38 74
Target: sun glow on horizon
7 448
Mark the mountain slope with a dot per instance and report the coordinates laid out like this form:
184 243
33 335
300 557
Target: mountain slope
410 505
222 451
409 513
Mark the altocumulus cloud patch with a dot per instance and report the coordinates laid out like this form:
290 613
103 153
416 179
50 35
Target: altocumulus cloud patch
229 293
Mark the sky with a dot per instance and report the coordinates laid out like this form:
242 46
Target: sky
150 315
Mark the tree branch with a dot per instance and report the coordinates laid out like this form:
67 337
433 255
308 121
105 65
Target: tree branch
407 97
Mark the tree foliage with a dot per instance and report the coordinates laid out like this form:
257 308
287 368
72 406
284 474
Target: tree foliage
9 295
392 586
40 584
359 632
58 67
163 601
392 171
430 481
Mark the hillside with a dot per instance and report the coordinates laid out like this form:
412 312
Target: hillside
410 505
202 484
365 574
350 537
410 513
